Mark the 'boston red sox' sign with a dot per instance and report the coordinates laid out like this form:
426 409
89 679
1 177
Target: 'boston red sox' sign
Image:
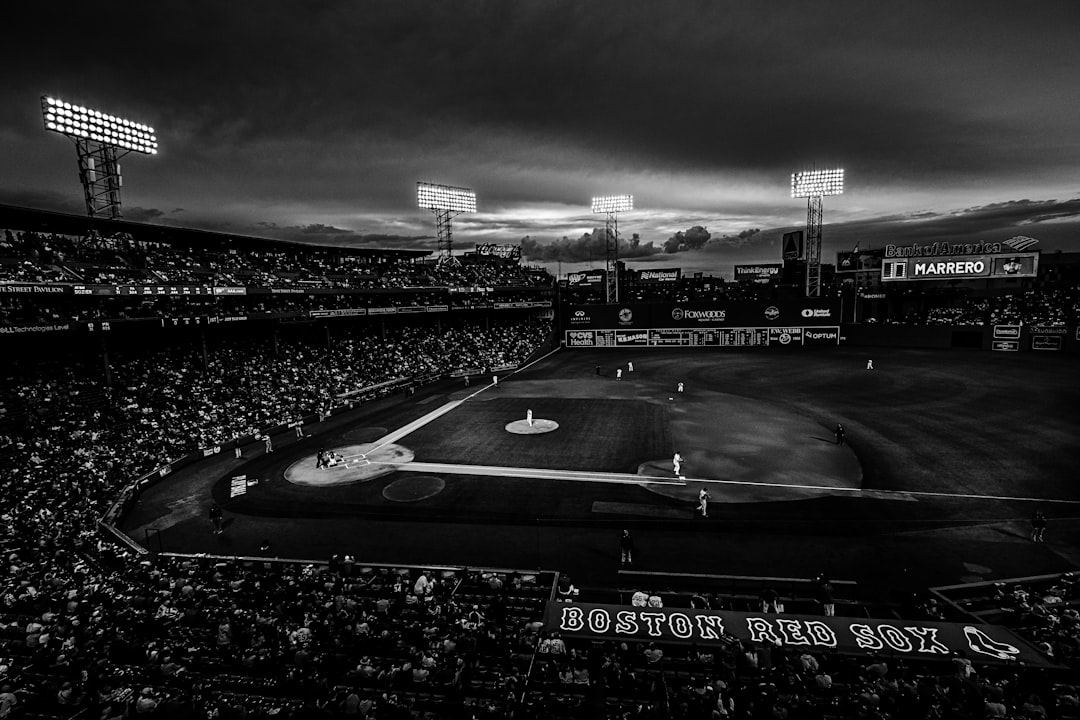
980 643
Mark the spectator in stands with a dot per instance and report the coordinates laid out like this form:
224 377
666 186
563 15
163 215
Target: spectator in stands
770 600
824 590
626 548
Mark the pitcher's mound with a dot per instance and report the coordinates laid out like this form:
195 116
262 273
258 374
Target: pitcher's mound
522 427
359 464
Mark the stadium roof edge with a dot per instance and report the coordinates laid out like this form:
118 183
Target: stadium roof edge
15 217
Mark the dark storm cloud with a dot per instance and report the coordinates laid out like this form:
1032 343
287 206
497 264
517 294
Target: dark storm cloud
144 215
590 246
44 199
320 229
699 84
348 238
311 110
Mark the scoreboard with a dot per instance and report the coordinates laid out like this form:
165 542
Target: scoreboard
705 337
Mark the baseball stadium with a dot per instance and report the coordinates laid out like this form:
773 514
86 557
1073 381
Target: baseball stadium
289 433
556 483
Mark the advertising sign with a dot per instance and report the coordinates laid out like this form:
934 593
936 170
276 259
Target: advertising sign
1045 342
1005 345
506 252
959 267
705 314
586 277
659 275
785 336
580 338
792 245
28 289
765 273
854 261
1006 331
821 336
852 636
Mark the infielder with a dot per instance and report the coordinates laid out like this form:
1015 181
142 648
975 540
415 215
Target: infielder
703 502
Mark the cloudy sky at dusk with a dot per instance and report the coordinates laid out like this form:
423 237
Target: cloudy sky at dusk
314 120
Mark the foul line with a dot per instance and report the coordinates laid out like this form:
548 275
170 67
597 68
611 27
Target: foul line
438 412
919 493
536 473
629 479
414 425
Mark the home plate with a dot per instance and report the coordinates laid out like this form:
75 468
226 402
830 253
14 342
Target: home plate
362 463
538 426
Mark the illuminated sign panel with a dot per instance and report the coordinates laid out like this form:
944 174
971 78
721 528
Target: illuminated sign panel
941 248
506 252
587 277
816 183
660 275
612 203
83 123
854 261
758 273
960 267
445 197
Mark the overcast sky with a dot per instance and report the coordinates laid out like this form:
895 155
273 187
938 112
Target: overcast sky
314 120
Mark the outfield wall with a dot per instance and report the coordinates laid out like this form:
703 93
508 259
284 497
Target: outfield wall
1001 338
748 323
787 323
804 312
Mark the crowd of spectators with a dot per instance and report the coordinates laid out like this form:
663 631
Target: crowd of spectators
27 256
89 631
113 636
736 679
69 443
1045 307
1044 609
166 404
183 637
54 309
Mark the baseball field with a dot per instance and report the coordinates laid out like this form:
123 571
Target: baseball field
946 455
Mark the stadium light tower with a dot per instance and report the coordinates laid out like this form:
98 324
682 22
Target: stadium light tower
814 185
100 140
446 202
611 206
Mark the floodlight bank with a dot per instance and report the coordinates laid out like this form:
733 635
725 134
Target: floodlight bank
612 203
83 123
445 197
817 183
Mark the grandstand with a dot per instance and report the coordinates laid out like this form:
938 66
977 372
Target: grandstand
448 568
